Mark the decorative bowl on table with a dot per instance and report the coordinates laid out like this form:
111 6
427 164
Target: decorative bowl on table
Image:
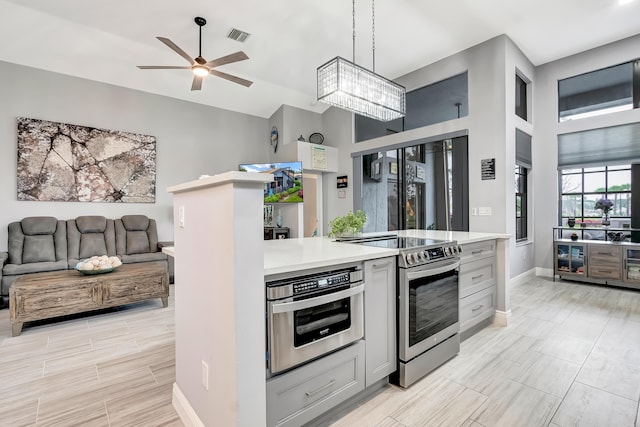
98 265
617 236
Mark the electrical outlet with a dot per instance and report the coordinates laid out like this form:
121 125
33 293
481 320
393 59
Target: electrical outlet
205 375
474 211
181 217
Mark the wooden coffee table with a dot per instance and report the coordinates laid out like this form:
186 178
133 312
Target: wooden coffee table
58 293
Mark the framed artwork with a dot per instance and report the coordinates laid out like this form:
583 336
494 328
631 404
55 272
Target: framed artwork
73 163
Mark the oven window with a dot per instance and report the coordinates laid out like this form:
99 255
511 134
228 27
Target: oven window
433 305
312 324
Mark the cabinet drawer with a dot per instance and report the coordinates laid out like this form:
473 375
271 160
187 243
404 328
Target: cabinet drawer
477 275
477 250
605 272
477 307
55 301
299 396
134 289
604 251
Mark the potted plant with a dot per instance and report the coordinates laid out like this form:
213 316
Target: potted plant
348 225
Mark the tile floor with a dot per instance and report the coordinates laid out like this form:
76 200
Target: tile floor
570 356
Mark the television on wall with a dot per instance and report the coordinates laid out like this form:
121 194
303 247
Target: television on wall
287 184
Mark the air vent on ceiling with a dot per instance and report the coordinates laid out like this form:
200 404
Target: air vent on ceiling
238 35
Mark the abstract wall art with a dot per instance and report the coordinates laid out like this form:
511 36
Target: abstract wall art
72 163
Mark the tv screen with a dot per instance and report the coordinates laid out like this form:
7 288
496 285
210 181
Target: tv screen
287 184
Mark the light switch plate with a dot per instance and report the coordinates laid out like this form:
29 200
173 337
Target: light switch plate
181 217
484 211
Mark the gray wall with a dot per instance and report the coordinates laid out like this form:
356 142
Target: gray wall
546 129
192 139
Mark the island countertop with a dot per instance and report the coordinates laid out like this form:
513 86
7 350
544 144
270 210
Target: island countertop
289 255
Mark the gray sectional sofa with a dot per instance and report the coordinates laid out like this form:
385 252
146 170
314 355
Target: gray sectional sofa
39 244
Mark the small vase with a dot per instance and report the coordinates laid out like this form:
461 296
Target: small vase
605 219
571 222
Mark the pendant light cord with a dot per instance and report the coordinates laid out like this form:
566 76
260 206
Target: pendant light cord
353 16
373 32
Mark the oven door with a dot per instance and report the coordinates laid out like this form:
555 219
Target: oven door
428 307
301 330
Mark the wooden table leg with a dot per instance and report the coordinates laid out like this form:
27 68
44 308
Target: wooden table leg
16 329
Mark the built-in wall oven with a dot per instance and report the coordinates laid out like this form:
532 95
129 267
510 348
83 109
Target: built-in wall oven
428 303
312 315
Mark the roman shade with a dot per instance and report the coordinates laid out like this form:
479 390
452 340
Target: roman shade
523 149
608 146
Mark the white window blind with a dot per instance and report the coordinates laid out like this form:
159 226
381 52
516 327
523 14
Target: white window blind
599 147
523 149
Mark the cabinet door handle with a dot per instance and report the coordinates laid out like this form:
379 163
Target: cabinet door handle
477 252
478 307
386 264
477 277
319 389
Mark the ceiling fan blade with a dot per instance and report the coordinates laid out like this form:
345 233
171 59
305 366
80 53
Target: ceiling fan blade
197 83
231 78
162 67
234 57
176 49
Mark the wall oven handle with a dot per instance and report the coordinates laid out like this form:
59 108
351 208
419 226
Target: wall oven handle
432 271
286 307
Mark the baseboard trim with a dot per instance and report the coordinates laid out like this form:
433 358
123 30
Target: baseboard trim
184 409
502 317
544 272
523 277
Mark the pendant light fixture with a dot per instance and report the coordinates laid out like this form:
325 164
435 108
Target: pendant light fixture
346 85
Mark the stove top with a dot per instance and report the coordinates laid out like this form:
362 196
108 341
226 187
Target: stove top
414 251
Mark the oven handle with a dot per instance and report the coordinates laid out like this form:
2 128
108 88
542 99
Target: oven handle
286 307
411 275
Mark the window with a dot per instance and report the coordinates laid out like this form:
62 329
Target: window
599 92
581 188
435 103
521 203
521 98
523 166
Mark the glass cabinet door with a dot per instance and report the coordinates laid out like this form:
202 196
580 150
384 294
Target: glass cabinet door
632 265
570 259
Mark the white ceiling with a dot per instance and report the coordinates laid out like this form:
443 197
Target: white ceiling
104 40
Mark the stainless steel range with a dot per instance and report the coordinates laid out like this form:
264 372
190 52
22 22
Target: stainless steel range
428 298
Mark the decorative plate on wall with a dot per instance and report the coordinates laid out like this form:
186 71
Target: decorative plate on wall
316 138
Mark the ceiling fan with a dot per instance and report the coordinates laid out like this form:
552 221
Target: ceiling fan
199 66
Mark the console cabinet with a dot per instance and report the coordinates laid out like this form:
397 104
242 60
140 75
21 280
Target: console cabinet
600 262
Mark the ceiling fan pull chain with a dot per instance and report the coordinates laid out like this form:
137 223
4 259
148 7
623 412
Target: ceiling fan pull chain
200 42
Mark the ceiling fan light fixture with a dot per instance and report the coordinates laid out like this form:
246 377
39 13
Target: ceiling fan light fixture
200 70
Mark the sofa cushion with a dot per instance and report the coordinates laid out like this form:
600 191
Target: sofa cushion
135 222
36 225
131 259
90 235
39 248
91 224
37 239
136 234
37 267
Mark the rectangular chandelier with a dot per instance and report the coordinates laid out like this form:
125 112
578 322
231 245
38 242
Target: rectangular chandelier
346 85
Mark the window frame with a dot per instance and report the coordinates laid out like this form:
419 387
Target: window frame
521 193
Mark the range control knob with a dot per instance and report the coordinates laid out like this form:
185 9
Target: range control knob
447 251
454 249
426 255
409 259
459 249
415 257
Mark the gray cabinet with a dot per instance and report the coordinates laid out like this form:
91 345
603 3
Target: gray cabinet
477 279
380 318
297 397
